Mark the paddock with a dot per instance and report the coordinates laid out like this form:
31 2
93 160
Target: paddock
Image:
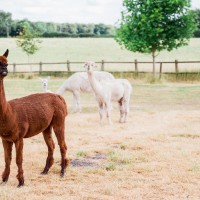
155 155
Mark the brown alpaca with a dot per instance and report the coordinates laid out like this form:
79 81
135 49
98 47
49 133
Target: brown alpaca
26 117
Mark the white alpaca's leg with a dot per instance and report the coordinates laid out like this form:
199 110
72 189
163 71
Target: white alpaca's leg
121 109
101 111
76 102
126 110
121 113
74 108
108 109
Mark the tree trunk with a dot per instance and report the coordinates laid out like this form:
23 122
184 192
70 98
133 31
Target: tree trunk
154 64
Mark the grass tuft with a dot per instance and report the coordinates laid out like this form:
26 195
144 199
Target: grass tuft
195 168
119 157
81 154
110 166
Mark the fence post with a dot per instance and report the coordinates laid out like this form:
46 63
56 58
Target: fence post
102 65
40 67
160 69
14 68
68 65
136 66
176 66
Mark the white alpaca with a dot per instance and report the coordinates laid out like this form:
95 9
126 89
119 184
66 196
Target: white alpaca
45 84
78 82
118 90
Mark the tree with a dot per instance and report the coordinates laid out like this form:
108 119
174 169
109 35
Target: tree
28 42
149 26
18 26
39 27
197 32
5 23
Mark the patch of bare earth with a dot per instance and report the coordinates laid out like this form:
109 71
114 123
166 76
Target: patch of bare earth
155 155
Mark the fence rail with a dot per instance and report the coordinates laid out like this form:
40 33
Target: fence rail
134 66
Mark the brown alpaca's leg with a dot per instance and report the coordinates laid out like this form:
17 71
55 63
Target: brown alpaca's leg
19 158
59 131
51 146
8 156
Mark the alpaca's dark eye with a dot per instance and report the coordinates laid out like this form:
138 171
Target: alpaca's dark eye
3 64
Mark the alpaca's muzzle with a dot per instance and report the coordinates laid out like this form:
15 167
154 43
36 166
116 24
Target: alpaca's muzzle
4 70
4 73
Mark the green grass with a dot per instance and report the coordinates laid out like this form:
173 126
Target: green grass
195 168
120 157
162 96
96 49
111 166
81 154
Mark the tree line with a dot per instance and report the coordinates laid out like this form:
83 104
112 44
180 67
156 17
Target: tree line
12 28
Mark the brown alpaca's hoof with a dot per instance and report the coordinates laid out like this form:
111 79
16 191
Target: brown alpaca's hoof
44 172
62 173
5 175
21 183
4 180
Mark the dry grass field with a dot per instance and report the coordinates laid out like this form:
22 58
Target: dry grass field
155 155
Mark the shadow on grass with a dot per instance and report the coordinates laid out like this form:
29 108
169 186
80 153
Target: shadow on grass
94 161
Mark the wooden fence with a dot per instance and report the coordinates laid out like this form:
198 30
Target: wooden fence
135 66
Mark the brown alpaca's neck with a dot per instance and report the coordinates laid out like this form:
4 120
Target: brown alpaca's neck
3 103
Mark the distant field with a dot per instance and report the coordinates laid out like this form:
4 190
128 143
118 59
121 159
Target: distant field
97 49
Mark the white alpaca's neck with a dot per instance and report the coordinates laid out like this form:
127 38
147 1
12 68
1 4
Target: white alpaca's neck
44 88
96 86
63 87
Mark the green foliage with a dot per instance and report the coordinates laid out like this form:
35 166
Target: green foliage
197 13
27 41
152 26
148 26
57 34
5 23
9 27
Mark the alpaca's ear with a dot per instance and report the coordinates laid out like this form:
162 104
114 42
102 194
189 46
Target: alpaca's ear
6 53
84 66
95 65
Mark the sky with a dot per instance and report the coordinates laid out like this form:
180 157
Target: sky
70 11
